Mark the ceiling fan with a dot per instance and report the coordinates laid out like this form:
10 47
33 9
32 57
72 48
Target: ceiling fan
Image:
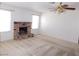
60 7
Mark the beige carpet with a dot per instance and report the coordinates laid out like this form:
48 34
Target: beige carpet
39 45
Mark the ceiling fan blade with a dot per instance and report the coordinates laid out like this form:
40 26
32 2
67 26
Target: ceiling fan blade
65 6
70 8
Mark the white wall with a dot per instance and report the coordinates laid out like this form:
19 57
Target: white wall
64 26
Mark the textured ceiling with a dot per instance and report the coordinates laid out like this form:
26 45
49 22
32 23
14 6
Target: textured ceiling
40 6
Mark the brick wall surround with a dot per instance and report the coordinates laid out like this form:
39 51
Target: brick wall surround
17 25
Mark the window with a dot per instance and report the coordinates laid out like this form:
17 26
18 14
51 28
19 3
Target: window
35 22
5 20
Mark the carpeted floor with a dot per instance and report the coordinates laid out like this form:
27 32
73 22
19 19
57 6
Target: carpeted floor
38 46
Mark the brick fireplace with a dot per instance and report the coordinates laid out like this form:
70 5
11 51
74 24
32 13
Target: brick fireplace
22 30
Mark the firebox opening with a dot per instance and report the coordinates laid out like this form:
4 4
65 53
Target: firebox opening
23 30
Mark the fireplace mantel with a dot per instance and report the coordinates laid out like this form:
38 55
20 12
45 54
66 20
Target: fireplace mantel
17 33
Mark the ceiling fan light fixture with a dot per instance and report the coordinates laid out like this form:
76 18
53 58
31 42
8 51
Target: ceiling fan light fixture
60 9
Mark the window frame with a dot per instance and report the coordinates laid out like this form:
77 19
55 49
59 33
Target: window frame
38 21
7 27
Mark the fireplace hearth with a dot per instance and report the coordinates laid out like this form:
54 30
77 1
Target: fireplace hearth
22 30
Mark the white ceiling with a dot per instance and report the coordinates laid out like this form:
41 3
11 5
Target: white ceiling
41 6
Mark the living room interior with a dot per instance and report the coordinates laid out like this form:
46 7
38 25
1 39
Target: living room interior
39 29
